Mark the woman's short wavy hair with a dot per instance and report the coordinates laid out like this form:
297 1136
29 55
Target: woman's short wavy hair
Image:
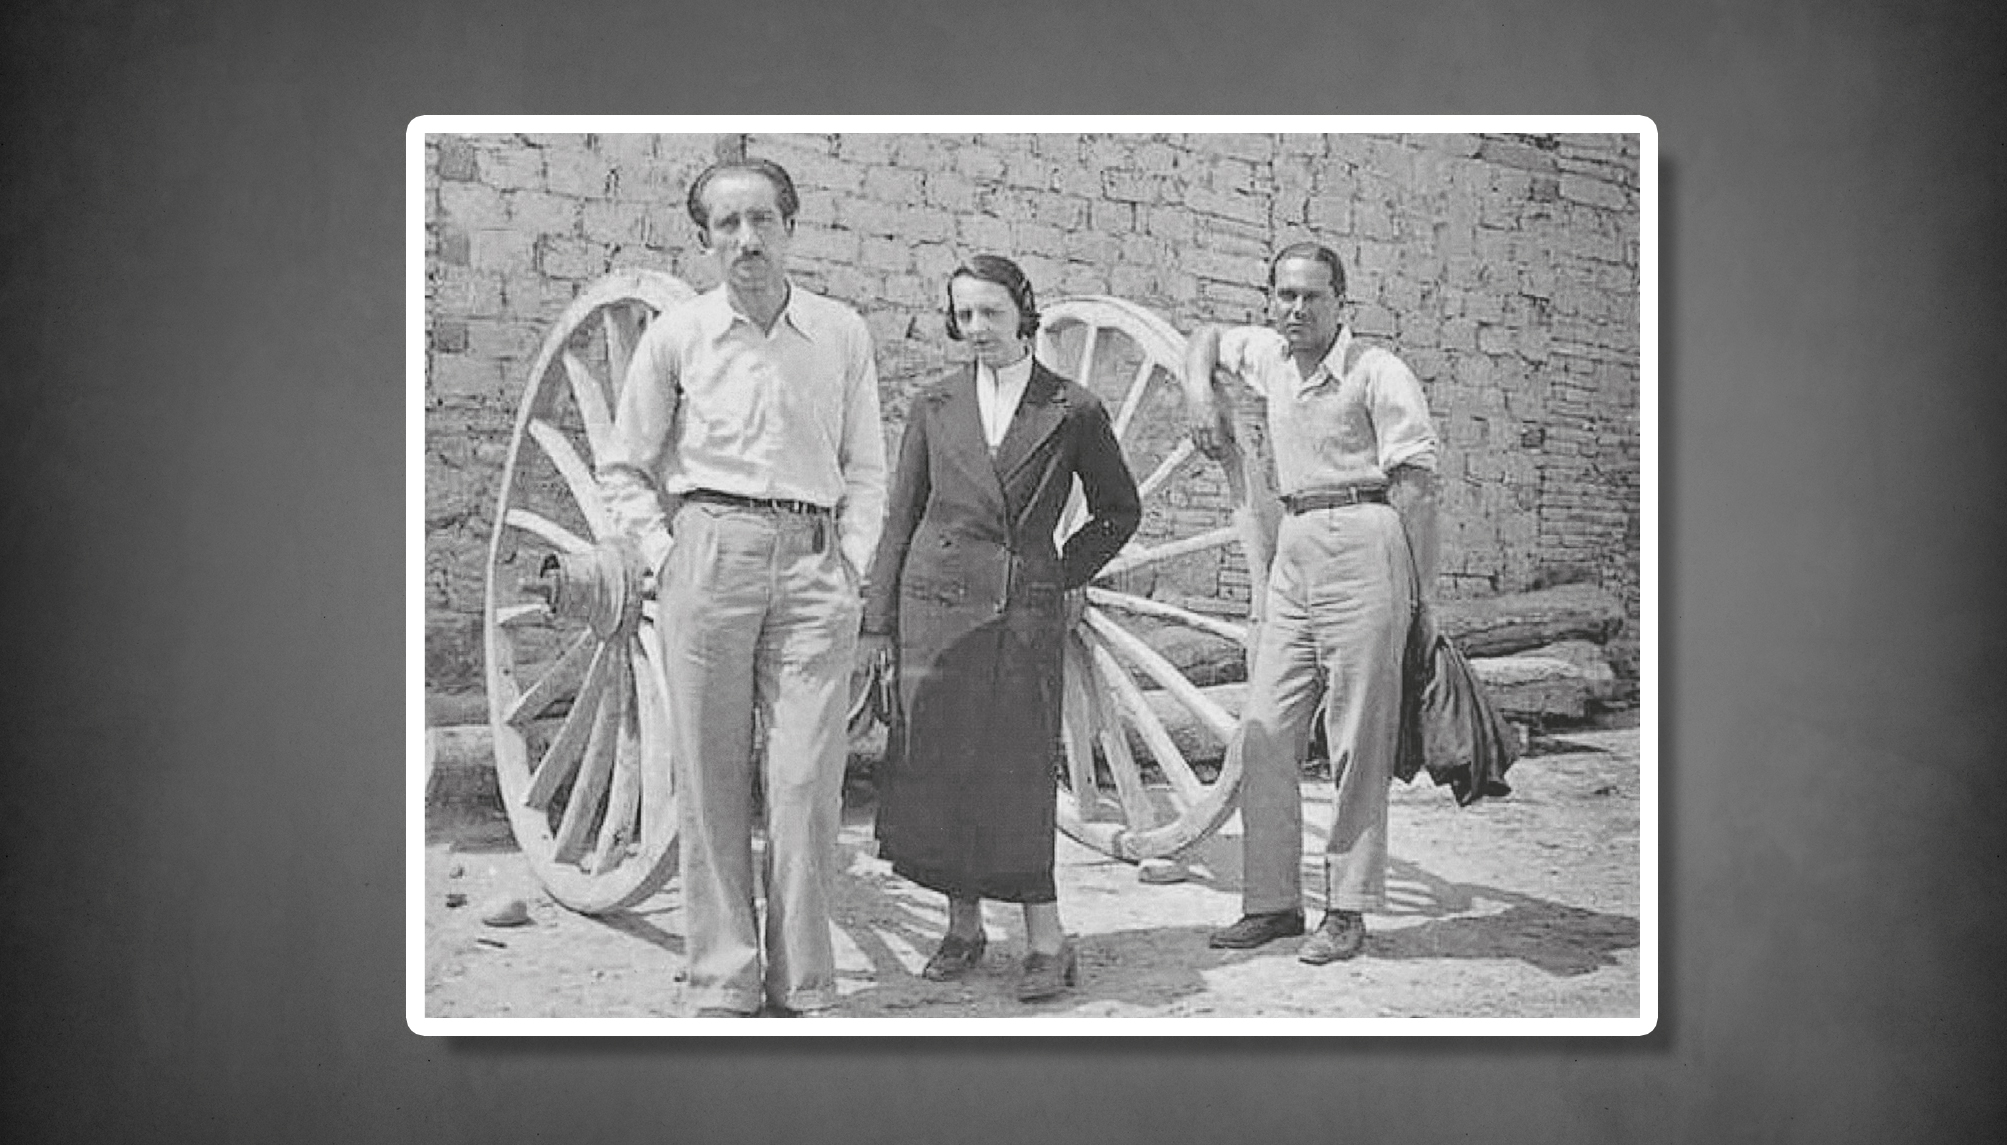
1005 273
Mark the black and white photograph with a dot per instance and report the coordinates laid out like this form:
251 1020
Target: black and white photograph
1032 575
1113 572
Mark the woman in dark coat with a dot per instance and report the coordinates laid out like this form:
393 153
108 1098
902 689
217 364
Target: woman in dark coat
970 588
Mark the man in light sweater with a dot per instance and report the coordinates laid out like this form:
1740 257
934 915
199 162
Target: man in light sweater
1355 459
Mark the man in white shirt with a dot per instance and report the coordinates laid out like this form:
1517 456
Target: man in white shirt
1355 459
748 464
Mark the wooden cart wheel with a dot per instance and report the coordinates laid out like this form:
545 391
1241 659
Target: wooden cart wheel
1165 580
576 697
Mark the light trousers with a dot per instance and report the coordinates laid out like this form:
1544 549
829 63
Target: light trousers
1339 598
758 624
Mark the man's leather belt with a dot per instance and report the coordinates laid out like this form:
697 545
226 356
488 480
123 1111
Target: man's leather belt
769 504
1317 499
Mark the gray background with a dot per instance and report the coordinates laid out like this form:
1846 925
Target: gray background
202 434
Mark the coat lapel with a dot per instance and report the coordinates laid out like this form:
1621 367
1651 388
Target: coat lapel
962 421
1038 415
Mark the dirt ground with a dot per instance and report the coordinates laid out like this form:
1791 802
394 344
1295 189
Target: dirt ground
1523 907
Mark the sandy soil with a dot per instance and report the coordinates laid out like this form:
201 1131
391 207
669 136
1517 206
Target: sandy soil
1522 907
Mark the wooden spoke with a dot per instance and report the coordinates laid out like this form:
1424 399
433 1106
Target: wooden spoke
623 797
1185 786
1136 557
1166 674
549 530
1168 468
591 399
1132 398
522 613
621 332
1144 606
1085 374
1074 513
658 796
589 791
1077 723
565 747
577 475
1136 808
557 682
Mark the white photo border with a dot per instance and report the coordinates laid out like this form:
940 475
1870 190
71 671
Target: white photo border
416 768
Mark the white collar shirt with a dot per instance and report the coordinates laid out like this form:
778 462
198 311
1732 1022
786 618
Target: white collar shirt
998 393
711 401
1338 427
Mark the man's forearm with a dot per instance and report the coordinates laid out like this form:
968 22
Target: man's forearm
1411 490
1207 414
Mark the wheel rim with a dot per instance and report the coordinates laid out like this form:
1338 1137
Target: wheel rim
576 696
1120 802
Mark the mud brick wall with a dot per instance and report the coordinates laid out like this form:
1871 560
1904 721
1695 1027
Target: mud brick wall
1503 269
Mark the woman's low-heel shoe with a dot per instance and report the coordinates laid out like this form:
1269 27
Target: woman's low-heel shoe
1049 975
956 957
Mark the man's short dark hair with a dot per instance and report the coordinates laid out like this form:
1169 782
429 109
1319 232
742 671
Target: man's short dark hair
1005 273
784 192
1318 251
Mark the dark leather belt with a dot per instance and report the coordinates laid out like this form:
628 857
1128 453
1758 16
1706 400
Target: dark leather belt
1317 499
768 504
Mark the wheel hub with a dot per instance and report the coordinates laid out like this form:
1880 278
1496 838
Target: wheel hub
604 586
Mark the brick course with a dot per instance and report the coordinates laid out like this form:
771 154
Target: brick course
1503 269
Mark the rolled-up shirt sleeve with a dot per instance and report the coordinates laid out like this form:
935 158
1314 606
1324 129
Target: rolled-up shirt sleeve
1400 410
1246 352
861 454
629 466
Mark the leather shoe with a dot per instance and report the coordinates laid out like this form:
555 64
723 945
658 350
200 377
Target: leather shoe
1341 935
956 957
1049 975
1257 929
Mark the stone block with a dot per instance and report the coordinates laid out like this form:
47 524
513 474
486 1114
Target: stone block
456 158
498 251
471 206
1246 208
1128 186
459 376
950 191
577 171
569 258
885 254
979 163
450 245
540 212
832 244
466 293
1594 192
507 165
1514 153
1111 218
985 233
621 148
926 224
866 147
897 185
609 221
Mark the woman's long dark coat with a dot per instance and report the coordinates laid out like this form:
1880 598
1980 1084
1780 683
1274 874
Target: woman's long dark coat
968 577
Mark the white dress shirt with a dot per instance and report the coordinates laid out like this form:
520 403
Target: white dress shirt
711 401
997 395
